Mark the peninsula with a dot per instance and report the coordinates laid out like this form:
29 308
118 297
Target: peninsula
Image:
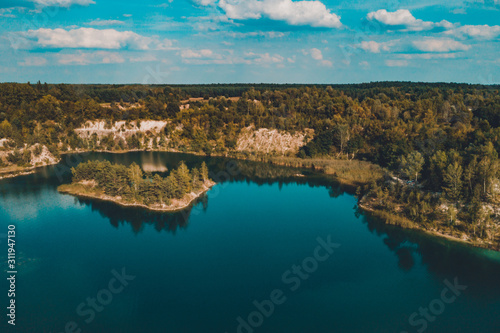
128 186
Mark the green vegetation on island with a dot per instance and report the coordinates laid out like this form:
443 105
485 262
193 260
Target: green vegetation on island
129 186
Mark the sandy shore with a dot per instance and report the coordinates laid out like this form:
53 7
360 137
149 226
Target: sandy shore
11 172
176 205
416 226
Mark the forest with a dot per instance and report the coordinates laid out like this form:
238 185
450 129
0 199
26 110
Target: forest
438 142
132 185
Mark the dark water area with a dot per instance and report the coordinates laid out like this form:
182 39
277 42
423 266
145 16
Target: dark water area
262 251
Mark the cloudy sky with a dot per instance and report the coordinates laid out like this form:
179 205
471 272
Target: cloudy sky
217 41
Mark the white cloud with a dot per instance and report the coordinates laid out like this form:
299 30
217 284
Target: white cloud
403 17
327 63
267 34
375 47
476 31
204 23
33 61
364 64
317 55
205 2
440 45
429 56
311 13
9 12
88 58
95 39
100 22
145 58
164 5
190 54
264 58
396 63
206 57
62 3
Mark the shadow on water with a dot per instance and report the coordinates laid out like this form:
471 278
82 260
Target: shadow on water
138 217
221 170
475 267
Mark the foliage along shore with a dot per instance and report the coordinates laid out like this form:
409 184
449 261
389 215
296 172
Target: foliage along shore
442 138
127 186
405 205
443 233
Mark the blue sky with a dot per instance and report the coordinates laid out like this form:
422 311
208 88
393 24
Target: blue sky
222 41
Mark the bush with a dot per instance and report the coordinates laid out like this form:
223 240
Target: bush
38 150
15 157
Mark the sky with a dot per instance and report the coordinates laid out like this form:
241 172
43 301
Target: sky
249 41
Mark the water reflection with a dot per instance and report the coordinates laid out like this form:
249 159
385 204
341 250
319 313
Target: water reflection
137 218
411 248
221 170
478 268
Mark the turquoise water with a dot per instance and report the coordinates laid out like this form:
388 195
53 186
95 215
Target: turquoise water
202 270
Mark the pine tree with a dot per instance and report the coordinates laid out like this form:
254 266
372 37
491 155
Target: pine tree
196 178
135 174
204 171
184 178
453 181
172 185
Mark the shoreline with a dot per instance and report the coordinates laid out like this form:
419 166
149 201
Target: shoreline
310 164
318 165
23 171
386 218
178 205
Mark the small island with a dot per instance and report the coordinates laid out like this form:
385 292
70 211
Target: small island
128 186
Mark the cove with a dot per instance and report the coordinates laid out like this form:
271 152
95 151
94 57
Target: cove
217 266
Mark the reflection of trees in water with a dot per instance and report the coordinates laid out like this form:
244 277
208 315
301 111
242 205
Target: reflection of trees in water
268 174
138 217
221 170
29 186
443 258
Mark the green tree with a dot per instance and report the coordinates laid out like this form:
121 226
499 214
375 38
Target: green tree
196 178
5 129
487 171
342 135
411 165
135 175
438 164
184 178
453 181
204 171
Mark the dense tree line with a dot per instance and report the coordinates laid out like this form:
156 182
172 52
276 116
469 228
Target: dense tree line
453 130
131 184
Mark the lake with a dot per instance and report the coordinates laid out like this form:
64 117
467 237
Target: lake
263 251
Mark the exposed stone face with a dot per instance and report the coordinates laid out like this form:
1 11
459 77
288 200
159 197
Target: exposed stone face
45 158
267 141
119 129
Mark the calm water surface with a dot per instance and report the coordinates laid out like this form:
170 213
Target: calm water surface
201 270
